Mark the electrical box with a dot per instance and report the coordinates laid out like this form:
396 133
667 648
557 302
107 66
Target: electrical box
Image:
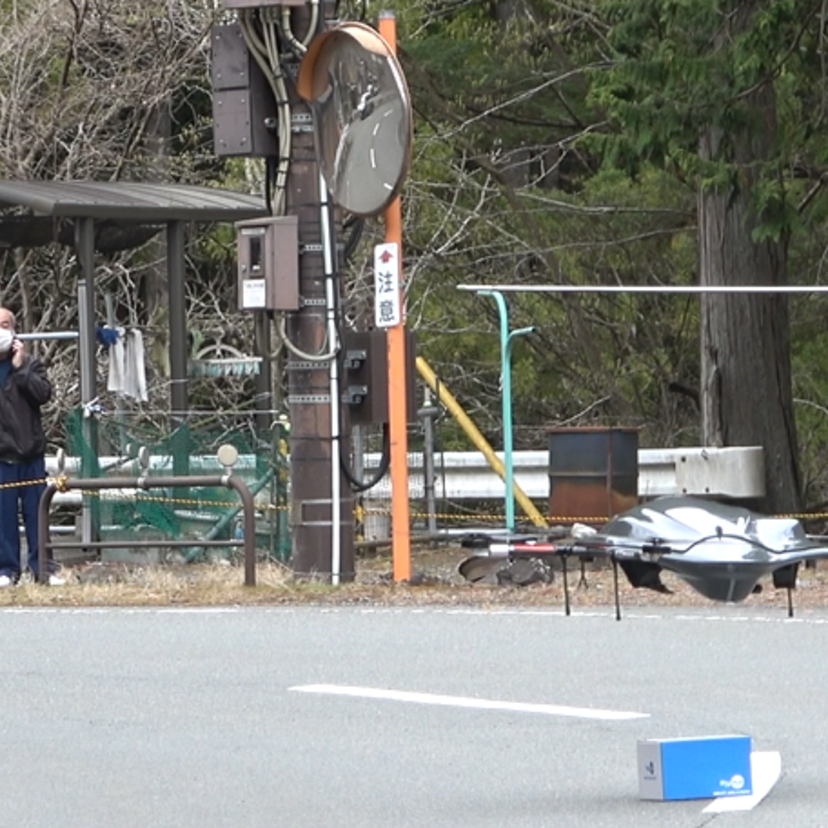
244 111
365 376
268 263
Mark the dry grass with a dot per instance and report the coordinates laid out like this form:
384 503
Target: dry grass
435 581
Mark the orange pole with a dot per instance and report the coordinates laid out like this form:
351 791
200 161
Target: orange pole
397 406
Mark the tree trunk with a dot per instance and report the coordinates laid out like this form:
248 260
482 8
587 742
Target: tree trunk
747 398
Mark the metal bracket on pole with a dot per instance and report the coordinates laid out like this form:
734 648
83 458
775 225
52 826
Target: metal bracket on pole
309 399
325 502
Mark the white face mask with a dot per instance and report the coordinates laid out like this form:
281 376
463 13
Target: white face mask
6 337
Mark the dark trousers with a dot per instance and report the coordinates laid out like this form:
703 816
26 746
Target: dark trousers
14 500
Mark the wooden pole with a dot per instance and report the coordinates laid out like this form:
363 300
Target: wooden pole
313 449
397 406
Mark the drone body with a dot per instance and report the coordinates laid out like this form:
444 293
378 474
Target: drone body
721 551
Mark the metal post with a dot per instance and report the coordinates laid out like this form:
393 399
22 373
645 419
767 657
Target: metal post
264 379
397 392
120 414
427 413
506 339
43 530
179 402
266 438
331 302
85 249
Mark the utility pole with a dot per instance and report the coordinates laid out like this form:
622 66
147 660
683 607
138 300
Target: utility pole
285 71
289 265
322 502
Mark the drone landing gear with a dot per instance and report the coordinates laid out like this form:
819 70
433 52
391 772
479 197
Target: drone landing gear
582 581
565 579
615 589
785 578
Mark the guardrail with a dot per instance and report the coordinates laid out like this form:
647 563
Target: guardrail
735 472
732 472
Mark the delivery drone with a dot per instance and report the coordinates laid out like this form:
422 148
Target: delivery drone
721 551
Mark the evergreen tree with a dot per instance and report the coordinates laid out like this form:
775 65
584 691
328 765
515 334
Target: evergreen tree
723 94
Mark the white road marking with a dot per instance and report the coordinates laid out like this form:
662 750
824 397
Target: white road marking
765 770
466 701
817 618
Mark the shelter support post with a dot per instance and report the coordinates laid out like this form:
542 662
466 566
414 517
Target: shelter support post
179 402
85 250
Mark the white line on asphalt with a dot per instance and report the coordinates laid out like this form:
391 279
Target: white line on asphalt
466 701
238 609
765 770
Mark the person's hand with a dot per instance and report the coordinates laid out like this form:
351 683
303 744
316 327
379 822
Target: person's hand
18 352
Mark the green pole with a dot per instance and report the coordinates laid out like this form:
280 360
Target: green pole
506 340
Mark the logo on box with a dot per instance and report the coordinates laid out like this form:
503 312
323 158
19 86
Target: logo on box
736 782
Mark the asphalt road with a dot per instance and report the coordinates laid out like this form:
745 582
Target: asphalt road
180 718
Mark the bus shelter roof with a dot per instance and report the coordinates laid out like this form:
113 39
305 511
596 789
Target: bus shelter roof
126 213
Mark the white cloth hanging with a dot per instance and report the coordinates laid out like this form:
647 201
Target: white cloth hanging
127 373
135 377
117 364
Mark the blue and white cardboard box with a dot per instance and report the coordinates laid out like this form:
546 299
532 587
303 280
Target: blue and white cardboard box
700 767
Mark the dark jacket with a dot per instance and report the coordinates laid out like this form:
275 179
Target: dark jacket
21 395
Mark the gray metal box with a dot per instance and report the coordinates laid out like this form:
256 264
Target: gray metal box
365 376
243 102
268 263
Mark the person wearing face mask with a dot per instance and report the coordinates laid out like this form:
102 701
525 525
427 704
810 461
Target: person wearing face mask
24 388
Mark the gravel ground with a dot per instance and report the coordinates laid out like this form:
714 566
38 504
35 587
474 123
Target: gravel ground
435 579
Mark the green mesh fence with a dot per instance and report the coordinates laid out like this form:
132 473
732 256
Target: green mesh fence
109 446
